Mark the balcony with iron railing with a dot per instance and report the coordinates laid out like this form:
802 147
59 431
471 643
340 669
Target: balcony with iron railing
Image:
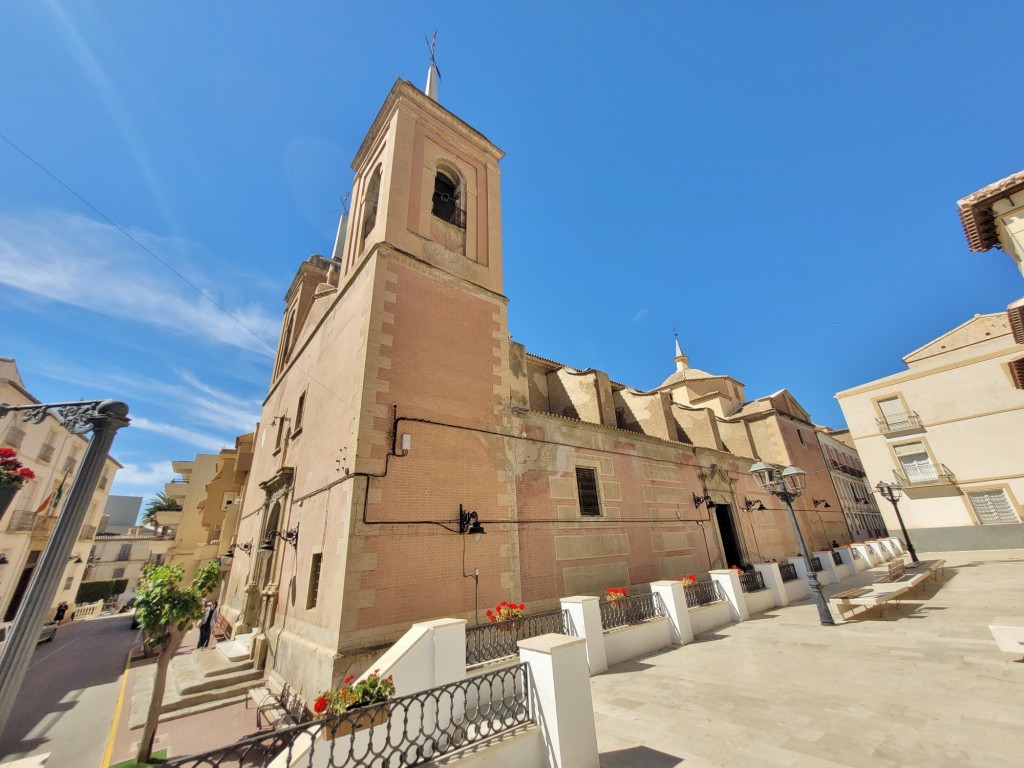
845 468
920 475
898 422
788 572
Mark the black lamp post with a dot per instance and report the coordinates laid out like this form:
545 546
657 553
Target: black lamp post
891 492
787 484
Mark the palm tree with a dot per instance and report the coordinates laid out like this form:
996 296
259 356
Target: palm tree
159 503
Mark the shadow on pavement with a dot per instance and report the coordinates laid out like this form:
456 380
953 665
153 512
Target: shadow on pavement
634 757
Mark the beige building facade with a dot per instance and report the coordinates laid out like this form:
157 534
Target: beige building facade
398 403
946 430
210 492
54 454
856 496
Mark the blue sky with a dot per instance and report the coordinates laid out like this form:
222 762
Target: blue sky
776 180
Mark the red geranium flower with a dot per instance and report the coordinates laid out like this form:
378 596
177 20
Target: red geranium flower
320 704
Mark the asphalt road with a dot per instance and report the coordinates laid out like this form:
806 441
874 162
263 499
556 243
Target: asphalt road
69 694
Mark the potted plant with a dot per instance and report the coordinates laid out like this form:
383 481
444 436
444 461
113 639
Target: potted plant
507 614
615 593
12 476
335 702
688 581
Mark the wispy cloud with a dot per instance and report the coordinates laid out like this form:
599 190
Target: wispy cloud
640 314
74 260
143 479
190 437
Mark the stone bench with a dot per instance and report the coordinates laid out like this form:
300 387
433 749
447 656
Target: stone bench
875 596
1008 632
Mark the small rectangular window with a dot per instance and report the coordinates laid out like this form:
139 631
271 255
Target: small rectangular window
586 485
125 552
299 408
68 581
800 434
118 573
314 581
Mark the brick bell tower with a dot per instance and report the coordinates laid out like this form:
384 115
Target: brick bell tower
386 410
425 232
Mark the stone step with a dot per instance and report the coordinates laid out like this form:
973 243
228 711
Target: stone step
233 650
186 685
174 702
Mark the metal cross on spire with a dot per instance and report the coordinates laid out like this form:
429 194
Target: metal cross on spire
433 74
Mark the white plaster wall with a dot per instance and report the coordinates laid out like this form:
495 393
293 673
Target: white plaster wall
796 589
516 750
760 601
704 618
635 640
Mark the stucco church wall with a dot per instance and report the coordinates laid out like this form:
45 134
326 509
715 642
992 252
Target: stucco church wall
700 426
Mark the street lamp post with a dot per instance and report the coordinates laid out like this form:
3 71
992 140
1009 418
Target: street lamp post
787 484
103 418
892 493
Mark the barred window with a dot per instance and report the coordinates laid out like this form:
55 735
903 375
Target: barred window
586 485
1017 372
446 201
992 507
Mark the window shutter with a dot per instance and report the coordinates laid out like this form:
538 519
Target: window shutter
992 507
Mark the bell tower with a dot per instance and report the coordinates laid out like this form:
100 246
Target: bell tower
427 184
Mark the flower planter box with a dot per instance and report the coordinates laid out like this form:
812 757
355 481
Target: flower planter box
347 725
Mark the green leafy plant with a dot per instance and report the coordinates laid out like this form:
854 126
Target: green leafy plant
165 609
351 695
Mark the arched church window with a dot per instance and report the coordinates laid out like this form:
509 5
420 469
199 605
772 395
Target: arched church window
372 199
447 203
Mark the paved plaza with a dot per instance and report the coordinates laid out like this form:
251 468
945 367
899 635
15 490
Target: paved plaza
923 684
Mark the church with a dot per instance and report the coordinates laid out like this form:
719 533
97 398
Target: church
413 462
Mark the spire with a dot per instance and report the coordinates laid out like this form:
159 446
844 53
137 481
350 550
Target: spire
682 361
339 239
433 74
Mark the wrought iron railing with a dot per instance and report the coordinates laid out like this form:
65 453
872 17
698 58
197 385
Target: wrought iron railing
836 557
898 421
752 581
488 642
703 593
788 571
925 474
406 731
816 565
632 609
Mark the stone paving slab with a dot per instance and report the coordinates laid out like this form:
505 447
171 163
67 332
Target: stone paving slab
923 684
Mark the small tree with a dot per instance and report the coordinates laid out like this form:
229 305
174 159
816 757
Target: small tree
159 503
165 610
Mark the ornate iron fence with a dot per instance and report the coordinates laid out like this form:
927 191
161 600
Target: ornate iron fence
632 609
703 593
836 557
487 642
788 571
752 582
816 564
407 731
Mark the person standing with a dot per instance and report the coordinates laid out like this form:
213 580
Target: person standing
61 610
205 625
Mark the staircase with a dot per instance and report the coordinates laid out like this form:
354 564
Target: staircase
196 682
